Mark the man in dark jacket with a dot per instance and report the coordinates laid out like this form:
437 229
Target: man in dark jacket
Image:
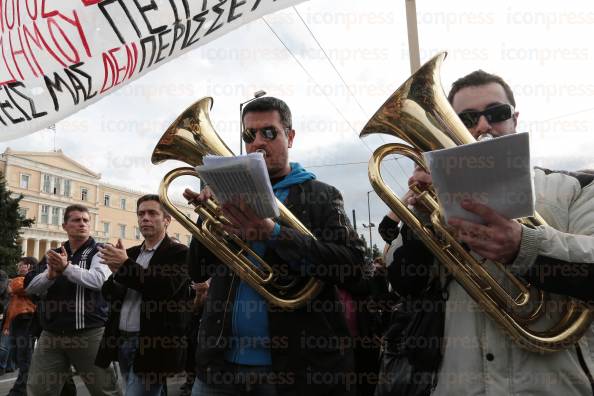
149 295
247 345
72 313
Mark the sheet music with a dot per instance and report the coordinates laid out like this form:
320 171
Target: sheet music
244 177
494 172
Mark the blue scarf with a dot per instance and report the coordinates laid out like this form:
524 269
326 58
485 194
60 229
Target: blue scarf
297 175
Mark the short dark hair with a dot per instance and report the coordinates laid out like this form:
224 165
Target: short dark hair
269 103
480 77
32 261
152 197
74 208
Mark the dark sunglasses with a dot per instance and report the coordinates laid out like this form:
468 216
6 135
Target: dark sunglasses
497 113
268 133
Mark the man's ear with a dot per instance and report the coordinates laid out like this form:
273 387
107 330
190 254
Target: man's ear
290 137
516 115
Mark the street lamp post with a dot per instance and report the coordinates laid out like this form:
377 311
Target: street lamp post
257 94
369 225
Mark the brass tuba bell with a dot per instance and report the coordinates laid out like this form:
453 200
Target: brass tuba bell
189 138
419 113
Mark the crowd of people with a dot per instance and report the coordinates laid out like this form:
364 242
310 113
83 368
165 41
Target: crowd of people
160 308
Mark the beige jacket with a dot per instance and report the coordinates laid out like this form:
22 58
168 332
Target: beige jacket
479 359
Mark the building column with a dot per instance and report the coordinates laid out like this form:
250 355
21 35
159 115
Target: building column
24 246
36 248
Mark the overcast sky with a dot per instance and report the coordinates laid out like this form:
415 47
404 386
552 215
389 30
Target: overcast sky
543 49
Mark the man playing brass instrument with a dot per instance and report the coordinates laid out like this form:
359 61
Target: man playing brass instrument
247 346
478 357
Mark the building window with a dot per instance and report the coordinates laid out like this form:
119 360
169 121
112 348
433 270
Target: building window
23 212
47 188
55 216
177 236
106 228
25 181
44 214
66 188
137 233
106 200
188 239
123 231
57 185
84 194
123 203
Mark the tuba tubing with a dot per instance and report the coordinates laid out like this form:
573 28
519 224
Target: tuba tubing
418 113
189 138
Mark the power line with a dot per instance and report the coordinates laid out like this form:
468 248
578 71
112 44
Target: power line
340 76
345 163
326 96
329 60
338 73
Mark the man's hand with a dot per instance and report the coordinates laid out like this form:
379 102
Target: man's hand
57 261
194 197
423 181
113 256
5 332
379 267
498 240
245 223
51 273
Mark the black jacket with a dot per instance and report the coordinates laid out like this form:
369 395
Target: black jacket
67 307
310 346
164 311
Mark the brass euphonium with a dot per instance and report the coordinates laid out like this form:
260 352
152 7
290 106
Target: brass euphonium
189 138
419 113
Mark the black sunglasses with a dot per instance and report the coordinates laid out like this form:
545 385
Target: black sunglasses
497 113
268 133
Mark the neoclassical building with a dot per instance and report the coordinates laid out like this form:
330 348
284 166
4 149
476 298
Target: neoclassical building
51 181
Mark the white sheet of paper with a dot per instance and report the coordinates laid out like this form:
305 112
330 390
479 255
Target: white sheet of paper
244 177
494 172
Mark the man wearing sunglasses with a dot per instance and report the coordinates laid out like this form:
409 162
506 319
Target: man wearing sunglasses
246 346
479 358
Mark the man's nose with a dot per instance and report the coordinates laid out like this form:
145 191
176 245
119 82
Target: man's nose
259 140
482 126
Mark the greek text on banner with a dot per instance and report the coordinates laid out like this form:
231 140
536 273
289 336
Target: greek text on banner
60 56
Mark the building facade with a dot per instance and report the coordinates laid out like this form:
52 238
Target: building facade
51 181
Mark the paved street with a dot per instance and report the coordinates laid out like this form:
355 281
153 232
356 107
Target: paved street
7 380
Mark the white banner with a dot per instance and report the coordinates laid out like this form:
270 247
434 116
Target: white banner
59 56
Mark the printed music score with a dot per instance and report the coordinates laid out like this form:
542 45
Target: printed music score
494 172
243 177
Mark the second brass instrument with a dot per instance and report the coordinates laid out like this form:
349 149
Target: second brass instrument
419 113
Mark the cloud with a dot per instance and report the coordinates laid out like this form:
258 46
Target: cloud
366 41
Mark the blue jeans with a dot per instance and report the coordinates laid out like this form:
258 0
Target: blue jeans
7 362
23 346
136 384
237 379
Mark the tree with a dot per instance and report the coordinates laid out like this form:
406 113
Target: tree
370 253
376 252
11 221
